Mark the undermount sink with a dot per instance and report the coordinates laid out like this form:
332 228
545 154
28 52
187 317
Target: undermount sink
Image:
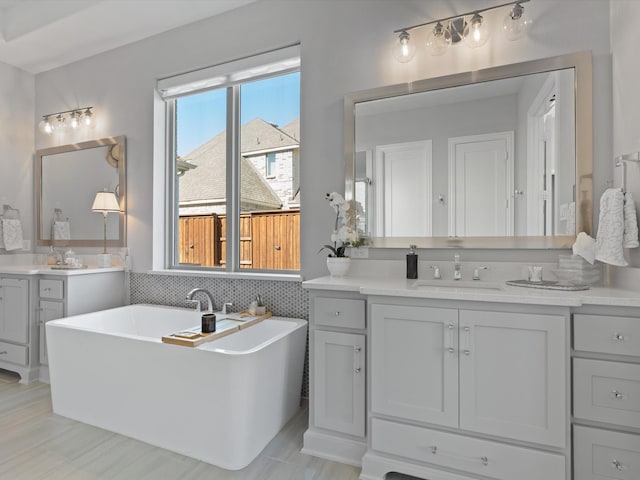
466 284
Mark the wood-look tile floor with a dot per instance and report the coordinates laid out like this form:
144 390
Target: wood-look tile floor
37 444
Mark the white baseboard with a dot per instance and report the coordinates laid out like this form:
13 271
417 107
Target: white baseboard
337 449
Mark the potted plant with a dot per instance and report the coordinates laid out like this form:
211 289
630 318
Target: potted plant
344 234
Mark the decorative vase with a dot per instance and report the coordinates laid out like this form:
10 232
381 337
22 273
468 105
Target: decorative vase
338 266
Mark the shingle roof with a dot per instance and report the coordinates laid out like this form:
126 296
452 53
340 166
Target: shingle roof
258 135
293 129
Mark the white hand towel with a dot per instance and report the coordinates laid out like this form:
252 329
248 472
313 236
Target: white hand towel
12 234
61 230
630 237
585 246
611 228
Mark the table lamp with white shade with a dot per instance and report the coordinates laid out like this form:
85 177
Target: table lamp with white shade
105 203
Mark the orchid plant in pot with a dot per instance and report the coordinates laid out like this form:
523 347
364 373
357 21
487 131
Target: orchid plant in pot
343 235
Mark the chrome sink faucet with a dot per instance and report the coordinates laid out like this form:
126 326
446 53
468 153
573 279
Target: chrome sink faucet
190 295
457 273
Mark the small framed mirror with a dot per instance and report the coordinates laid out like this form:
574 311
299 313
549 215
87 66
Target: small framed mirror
67 180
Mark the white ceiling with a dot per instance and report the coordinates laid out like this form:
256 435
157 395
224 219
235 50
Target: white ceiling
38 35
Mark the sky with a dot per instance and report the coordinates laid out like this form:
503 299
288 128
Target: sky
203 115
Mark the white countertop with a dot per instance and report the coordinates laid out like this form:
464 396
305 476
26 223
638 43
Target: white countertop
506 294
47 270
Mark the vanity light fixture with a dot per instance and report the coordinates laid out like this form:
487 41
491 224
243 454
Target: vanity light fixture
470 27
58 120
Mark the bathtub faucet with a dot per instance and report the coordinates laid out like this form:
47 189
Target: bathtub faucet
190 295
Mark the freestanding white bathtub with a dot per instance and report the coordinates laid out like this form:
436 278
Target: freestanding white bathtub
221 402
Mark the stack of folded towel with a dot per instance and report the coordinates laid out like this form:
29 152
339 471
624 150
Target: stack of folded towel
617 227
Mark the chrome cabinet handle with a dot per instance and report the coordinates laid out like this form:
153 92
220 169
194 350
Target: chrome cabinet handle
337 314
451 329
3 352
277 247
617 394
617 464
356 358
434 451
467 335
618 337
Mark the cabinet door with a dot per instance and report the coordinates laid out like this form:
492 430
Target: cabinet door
339 388
414 368
48 311
14 310
513 375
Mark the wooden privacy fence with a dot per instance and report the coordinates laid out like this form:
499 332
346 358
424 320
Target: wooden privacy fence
269 240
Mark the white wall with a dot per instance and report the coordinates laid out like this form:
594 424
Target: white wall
625 15
345 47
16 144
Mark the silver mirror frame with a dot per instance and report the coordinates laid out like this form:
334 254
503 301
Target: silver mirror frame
122 191
580 62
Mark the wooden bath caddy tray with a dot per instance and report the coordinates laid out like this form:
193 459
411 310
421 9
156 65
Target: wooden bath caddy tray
226 326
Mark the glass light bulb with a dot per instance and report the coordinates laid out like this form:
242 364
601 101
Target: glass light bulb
475 33
45 126
403 50
439 40
60 122
87 117
516 24
74 120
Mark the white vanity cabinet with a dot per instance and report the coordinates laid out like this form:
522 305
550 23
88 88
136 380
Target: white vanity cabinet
14 310
75 293
16 332
494 373
606 395
452 387
337 361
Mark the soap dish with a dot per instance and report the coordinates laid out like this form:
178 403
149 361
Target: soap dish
548 285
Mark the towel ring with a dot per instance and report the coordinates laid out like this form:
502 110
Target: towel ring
621 161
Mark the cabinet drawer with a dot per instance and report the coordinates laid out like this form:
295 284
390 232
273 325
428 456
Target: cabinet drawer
472 455
606 334
602 454
606 391
13 353
51 289
339 312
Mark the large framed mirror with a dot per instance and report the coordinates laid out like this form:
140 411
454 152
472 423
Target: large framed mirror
496 158
67 180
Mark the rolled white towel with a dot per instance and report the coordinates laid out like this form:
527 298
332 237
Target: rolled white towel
611 228
12 234
630 237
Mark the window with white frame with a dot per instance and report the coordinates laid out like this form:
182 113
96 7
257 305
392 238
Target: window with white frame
229 128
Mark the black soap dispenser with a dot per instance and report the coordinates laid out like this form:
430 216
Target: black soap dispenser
412 263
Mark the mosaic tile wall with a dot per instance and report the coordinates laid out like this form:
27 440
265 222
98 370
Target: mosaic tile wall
284 299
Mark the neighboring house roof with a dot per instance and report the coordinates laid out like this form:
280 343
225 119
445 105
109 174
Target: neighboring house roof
208 181
260 136
293 129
